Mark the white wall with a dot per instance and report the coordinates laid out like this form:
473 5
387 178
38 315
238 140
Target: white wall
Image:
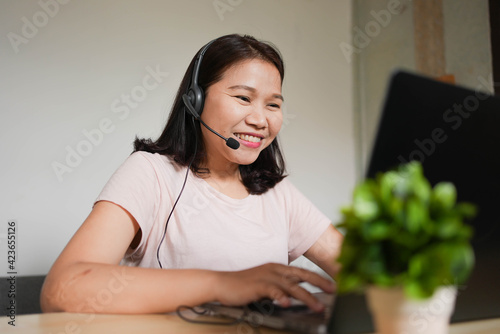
386 49
66 68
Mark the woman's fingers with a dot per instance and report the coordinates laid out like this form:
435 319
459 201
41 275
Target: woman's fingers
294 275
287 285
276 281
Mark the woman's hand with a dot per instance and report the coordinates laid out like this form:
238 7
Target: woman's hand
274 281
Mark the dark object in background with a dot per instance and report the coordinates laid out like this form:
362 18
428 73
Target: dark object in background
27 294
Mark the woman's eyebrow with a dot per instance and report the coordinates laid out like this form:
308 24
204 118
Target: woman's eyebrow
253 90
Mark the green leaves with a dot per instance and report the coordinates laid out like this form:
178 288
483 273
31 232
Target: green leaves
444 196
365 205
401 231
416 215
376 230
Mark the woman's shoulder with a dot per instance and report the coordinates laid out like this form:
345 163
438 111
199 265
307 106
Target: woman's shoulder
284 186
146 170
287 192
158 166
283 191
154 160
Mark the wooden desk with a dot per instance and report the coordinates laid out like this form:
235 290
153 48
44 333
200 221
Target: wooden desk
74 323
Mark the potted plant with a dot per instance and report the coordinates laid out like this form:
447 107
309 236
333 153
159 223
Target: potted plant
407 245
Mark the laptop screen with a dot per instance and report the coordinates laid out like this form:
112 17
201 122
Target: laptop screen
455 133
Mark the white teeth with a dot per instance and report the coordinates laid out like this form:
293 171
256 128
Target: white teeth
248 138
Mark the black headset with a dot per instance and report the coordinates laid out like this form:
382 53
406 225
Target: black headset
194 99
195 96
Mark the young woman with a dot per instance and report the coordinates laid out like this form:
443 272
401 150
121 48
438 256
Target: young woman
187 219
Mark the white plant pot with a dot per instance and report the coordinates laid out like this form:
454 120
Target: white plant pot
394 313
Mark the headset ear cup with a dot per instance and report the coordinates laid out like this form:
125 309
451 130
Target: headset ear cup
188 99
195 99
198 98
195 93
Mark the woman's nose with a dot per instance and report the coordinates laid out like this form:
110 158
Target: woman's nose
257 118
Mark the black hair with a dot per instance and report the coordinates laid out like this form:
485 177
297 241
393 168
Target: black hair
178 139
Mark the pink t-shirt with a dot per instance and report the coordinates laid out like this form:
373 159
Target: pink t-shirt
209 230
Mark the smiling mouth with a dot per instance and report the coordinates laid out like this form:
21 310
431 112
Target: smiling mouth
249 138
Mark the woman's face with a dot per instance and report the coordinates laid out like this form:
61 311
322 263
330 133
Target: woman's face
246 105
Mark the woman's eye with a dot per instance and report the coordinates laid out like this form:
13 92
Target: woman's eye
243 98
276 106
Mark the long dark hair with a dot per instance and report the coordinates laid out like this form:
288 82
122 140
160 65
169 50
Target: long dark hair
181 134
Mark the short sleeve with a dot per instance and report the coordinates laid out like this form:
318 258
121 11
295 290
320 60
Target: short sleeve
306 222
134 186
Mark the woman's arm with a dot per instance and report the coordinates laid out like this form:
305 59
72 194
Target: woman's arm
325 251
87 276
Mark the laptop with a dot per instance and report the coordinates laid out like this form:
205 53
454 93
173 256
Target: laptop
455 133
